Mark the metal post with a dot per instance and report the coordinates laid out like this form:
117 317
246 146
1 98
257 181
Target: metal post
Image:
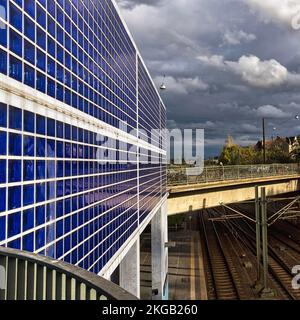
264 230
258 235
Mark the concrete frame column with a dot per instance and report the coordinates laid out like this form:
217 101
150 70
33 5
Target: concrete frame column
130 270
159 260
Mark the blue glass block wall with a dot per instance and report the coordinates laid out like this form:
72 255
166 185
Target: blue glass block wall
57 198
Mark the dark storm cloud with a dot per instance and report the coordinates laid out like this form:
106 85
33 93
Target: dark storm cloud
227 64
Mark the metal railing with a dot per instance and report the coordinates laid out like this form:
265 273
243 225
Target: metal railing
27 276
184 176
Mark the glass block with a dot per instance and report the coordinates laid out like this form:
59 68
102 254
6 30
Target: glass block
3 143
3 62
2 171
28 219
15 118
39 238
15 17
28 242
28 144
28 195
40 192
2 228
40 169
40 215
29 76
15 144
28 170
3 115
15 244
29 121
14 170
14 224
14 198
40 147
15 68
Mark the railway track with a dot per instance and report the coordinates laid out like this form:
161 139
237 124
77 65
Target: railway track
230 257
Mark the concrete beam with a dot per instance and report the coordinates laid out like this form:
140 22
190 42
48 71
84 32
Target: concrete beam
159 251
193 198
130 270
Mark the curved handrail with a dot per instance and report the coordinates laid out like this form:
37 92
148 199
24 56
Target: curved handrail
104 288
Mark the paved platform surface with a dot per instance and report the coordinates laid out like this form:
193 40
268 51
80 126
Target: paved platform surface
186 276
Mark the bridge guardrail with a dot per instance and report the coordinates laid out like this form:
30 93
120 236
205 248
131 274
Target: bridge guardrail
179 176
27 276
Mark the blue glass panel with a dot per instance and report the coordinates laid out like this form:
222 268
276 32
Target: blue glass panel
15 244
15 144
15 17
14 224
41 38
51 127
39 238
50 169
28 242
29 52
50 212
28 195
59 188
2 171
2 199
40 124
15 118
40 192
39 215
51 47
3 62
14 198
40 170
15 68
28 219
41 16
3 143
28 146
3 35
59 129
14 170
41 60
50 190
3 115
2 228
41 82
28 121
28 170
40 147
16 44
29 76
59 249
29 29
29 7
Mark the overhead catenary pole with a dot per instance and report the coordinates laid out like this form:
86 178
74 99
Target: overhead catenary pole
266 292
264 140
258 235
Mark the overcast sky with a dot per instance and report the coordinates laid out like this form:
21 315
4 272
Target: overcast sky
228 63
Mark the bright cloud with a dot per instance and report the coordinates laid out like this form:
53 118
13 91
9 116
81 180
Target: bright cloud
252 70
271 112
284 11
237 37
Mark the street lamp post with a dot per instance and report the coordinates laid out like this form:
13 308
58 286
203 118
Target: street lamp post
264 140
